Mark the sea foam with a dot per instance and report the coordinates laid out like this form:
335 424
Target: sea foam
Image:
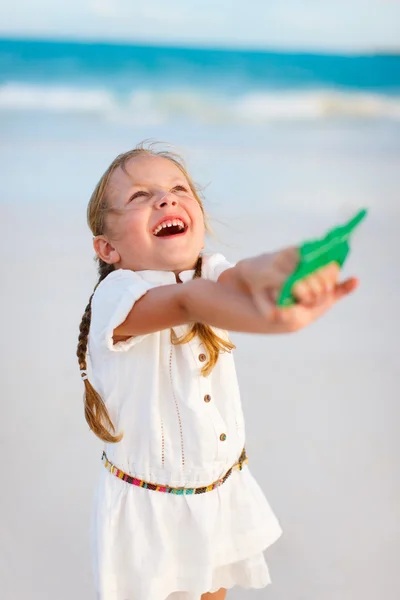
147 106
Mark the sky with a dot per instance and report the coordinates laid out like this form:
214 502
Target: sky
330 25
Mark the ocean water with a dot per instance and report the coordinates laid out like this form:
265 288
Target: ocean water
331 122
155 85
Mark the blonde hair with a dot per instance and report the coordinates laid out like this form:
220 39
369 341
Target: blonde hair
96 413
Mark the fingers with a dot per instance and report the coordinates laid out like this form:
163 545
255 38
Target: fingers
265 275
314 288
346 287
300 315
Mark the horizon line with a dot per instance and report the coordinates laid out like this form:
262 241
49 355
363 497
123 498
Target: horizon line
198 45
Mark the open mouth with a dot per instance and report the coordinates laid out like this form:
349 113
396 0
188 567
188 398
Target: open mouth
170 228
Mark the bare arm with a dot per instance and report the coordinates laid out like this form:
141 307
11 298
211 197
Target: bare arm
243 299
201 301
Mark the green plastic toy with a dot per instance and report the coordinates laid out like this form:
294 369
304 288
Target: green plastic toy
315 254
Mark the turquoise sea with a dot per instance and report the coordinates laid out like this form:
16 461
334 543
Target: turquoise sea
144 84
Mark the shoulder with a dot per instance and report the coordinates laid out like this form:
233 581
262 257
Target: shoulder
112 302
214 265
119 283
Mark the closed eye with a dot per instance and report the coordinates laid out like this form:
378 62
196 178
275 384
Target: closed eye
180 188
145 195
138 194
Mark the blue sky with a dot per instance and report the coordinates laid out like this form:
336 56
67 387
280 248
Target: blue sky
304 24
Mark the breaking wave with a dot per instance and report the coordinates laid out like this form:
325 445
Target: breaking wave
151 107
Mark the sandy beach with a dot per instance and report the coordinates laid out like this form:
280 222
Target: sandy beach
321 406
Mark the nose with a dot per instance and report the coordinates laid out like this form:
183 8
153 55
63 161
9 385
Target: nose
165 199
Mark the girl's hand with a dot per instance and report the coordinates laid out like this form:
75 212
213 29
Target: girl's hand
315 295
264 276
265 273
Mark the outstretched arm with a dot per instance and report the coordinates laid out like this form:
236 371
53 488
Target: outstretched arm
201 301
243 299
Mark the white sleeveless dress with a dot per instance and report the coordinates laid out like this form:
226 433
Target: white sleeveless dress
182 430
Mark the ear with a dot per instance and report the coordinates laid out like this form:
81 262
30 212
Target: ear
105 250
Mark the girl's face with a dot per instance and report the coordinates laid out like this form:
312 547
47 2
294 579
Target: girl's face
154 221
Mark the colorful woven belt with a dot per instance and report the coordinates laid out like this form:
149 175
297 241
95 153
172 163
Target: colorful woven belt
243 459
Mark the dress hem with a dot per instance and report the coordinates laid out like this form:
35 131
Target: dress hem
182 589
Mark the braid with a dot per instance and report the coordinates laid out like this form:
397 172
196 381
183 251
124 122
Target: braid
211 341
96 413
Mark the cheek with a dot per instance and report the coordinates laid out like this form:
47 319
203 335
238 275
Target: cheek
131 225
198 218
201 229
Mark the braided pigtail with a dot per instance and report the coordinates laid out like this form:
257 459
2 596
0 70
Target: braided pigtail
96 413
210 340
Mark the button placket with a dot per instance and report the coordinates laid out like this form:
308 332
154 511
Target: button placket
218 423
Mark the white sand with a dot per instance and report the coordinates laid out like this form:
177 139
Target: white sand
322 406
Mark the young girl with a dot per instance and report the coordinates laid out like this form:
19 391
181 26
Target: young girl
178 514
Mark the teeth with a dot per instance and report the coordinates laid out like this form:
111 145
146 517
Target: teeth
165 224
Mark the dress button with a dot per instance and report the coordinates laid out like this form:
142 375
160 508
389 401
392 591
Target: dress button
207 398
222 437
202 357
